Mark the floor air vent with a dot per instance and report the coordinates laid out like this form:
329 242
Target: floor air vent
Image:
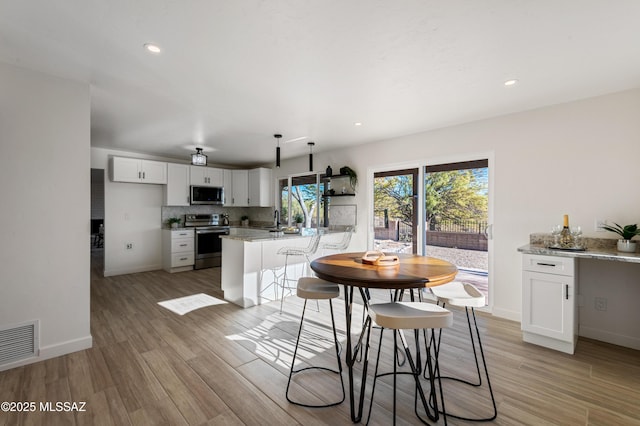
17 343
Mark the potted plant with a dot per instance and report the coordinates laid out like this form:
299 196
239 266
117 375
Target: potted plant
244 220
174 222
299 219
353 176
627 232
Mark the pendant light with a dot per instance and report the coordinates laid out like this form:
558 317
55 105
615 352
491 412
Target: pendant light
277 136
198 159
311 144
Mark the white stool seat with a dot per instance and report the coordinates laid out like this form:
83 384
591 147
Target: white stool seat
459 294
315 288
410 315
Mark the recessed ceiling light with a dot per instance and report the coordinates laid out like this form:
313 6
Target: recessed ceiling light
512 82
357 123
153 48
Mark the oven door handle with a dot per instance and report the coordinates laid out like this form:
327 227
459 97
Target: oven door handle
212 231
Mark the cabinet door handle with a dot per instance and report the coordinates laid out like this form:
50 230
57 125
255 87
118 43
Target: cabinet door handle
545 264
183 245
143 175
183 258
566 291
139 175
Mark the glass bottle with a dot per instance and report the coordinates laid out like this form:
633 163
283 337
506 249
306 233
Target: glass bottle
566 240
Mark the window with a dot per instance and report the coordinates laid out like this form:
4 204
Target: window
300 197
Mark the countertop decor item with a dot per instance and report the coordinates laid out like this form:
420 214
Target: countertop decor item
244 220
627 232
298 219
174 222
565 238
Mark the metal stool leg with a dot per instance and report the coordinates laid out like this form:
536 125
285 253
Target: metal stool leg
484 363
338 371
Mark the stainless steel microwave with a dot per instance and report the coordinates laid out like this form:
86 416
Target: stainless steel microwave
207 194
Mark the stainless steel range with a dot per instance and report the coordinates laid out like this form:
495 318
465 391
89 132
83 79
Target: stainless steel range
208 229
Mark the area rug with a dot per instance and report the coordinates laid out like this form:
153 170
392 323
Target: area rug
184 305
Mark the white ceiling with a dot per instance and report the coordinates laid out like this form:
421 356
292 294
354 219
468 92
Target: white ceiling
234 72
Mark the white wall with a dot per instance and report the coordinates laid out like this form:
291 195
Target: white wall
132 215
45 190
577 158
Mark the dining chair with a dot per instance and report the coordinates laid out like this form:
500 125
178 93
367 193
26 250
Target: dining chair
400 316
468 296
316 289
304 252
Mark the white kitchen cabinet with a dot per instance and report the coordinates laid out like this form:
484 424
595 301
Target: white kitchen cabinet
260 187
206 176
549 313
228 187
240 188
178 249
176 193
122 169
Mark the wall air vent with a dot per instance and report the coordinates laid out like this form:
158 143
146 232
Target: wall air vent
18 342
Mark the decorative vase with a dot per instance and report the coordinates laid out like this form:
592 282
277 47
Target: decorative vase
245 222
174 225
626 246
329 171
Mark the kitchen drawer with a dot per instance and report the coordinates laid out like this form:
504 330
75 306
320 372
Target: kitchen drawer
549 264
182 259
186 233
182 245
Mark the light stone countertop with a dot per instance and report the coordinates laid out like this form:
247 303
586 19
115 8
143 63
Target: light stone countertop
258 235
598 253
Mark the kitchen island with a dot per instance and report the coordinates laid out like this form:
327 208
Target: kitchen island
251 263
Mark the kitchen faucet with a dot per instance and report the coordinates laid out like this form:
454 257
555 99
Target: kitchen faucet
276 218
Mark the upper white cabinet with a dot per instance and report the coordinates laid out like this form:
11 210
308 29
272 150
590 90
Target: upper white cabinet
548 302
228 188
176 192
135 170
248 188
260 187
240 188
207 176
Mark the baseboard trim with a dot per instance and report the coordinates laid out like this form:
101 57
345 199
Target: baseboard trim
506 314
609 337
53 351
124 271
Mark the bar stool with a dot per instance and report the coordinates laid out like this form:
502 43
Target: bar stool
296 252
466 295
416 316
343 244
315 288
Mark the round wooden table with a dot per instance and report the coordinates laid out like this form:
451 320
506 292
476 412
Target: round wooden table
413 271
348 269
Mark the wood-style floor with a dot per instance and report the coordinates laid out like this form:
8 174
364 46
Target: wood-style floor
226 365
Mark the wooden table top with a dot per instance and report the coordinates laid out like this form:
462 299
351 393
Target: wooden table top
412 272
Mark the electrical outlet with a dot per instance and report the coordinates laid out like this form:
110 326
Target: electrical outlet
600 304
599 223
129 246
